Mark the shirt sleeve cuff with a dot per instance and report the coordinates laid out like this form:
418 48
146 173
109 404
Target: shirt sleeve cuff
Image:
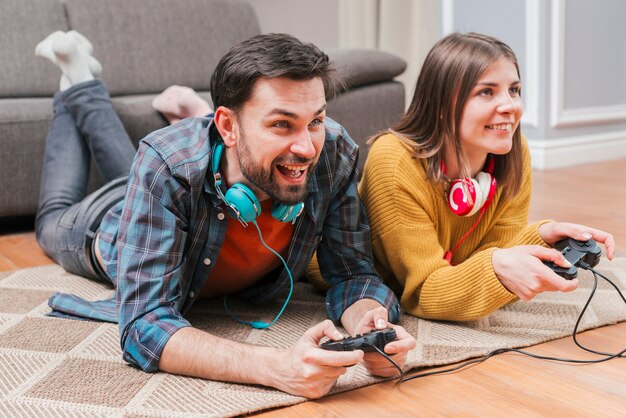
344 294
148 335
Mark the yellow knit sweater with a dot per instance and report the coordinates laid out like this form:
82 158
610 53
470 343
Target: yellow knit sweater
412 227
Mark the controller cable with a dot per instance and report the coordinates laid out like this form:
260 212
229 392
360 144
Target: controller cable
385 355
262 324
607 356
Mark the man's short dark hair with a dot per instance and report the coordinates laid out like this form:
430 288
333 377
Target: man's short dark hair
270 55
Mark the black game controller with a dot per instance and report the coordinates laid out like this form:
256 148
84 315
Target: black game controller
365 342
575 251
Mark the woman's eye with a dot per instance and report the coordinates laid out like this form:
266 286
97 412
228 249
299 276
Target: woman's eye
515 91
485 92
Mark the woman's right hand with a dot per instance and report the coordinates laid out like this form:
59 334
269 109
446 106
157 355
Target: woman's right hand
520 269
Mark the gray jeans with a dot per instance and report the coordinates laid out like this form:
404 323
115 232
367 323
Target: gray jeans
84 125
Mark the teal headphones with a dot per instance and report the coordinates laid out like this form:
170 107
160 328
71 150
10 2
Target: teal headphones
243 205
241 202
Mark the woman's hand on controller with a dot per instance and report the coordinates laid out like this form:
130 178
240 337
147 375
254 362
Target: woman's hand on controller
552 232
520 269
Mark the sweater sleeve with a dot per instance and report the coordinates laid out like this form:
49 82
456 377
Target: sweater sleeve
433 289
405 214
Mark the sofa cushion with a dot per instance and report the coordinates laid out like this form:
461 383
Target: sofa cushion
138 116
359 67
147 45
23 128
367 110
24 23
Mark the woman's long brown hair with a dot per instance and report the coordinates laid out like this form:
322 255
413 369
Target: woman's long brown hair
451 69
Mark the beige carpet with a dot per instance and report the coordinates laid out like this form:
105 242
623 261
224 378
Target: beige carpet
57 367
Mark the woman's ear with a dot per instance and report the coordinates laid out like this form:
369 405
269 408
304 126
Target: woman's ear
227 125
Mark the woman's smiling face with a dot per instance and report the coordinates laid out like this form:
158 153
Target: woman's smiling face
492 111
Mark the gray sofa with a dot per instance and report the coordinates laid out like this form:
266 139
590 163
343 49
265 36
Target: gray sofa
145 46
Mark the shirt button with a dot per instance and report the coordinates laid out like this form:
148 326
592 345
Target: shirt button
207 261
192 294
220 216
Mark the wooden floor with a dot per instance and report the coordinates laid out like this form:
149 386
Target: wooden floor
507 385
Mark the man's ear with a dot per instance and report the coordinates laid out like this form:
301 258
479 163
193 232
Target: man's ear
227 125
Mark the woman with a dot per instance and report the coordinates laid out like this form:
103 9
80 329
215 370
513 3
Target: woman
458 250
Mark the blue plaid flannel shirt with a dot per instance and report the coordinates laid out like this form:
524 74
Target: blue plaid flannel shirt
160 243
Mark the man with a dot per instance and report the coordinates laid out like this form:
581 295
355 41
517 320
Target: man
162 238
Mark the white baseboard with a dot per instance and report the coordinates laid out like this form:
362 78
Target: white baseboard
586 149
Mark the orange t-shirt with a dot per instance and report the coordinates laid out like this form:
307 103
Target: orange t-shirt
243 260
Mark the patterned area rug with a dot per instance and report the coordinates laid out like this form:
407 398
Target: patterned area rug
58 367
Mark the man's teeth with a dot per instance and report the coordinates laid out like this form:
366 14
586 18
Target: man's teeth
294 167
294 171
501 127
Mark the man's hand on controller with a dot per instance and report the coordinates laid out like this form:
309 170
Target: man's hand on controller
551 232
375 317
309 371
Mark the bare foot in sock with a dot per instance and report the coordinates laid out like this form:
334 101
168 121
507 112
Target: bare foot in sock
71 52
179 102
65 83
44 48
73 60
87 49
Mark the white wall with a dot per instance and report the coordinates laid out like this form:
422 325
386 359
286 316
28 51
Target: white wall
312 21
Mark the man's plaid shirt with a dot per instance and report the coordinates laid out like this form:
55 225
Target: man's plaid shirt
160 243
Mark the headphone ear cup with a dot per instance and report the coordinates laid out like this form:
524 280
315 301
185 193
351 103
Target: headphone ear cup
485 190
487 184
492 189
457 196
479 201
286 213
243 202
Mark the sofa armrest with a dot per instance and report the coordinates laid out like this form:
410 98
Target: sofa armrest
358 67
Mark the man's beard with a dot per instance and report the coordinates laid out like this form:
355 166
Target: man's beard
265 181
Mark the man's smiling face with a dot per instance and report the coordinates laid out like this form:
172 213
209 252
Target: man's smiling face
281 135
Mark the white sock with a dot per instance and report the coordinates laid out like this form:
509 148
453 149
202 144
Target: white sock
64 83
72 59
44 48
87 49
71 52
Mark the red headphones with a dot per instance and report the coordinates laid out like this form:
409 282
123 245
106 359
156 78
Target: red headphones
466 196
481 190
